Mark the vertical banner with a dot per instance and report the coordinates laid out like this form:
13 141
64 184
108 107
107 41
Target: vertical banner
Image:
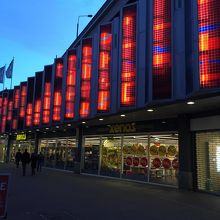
4 180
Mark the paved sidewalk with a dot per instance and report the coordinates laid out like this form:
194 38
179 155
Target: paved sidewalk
55 195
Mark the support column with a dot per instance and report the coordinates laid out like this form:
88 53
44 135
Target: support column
36 142
7 144
185 153
79 141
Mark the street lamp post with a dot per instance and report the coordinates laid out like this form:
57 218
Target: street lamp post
77 29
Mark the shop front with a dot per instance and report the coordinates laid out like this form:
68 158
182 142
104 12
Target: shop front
58 153
207 145
3 144
135 155
21 142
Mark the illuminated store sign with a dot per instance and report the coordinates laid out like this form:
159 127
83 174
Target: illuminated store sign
21 137
122 128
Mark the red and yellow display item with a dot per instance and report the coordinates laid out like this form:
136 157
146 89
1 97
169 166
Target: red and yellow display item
209 43
86 74
162 49
105 47
70 85
128 61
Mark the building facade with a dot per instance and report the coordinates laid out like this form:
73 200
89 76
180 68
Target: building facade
135 96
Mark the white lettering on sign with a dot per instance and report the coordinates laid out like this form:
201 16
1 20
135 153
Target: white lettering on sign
122 128
3 186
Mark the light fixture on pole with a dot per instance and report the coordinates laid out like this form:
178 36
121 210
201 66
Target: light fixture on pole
77 29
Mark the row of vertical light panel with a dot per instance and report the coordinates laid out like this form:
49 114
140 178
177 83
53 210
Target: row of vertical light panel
105 47
70 85
29 114
22 104
37 98
128 60
86 74
37 108
16 108
162 49
46 103
1 101
57 99
4 111
209 43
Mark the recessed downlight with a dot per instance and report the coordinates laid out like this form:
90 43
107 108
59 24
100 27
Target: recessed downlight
29 131
150 110
57 126
190 103
69 125
123 115
101 119
47 128
83 122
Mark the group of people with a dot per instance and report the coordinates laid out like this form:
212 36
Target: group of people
36 161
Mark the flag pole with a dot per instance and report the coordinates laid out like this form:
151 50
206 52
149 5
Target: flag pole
12 74
4 79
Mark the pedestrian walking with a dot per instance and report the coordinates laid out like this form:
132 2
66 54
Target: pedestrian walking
40 160
18 158
34 159
25 159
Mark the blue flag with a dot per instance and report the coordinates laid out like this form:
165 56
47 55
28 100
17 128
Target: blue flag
10 69
2 72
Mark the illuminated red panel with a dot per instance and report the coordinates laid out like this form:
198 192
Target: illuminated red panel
86 78
128 65
105 47
162 49
70 86
209 43
10 107
46 103
14 123
57 99
16 98
29 115
59 70
57 106
37 108
23 101
4 114
1 106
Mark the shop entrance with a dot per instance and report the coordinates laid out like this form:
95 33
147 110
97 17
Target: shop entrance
59 153
22 145
2 150
208 161
149 158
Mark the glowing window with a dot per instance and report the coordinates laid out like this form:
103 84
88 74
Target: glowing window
209 43
128 61
105 47
86 78
162 49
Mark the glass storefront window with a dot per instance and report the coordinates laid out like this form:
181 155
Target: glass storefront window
22 145
135 157
111 156
59 153
163 159
91 155
208 161
147 158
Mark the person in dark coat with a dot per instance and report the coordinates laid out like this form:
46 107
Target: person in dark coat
40 161
18 158
25 159
34 159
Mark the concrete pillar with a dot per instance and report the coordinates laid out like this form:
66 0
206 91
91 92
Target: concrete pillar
185 153
79 136
7 144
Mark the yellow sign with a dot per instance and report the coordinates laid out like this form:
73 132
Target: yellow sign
122 128
21 137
